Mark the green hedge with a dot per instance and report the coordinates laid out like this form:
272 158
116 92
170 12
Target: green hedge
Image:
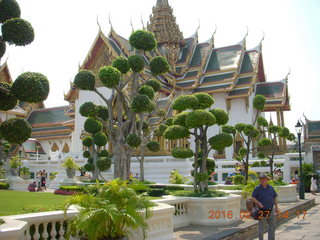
156 192
72 188
187 193
4 185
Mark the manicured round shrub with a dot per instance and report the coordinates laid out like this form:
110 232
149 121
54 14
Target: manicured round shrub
85 80
243 152
200 118
86 154
103 112
87 141
9 9
250 131
182 152
104 164
185 102
89 167
133 140
104 153
180 119
15 130
161 112
238 179
155 84
109 76
220 141
8 100
261 156
31 87
274 129
264 142
17 31
291 137
259 102
2 48
121 64
158 66
160 130
176 132
262 121
151 107
147 90
153 146
143 40
140 103
221 116
169 121
240 127
205 100
284 132
92 125
229 129
100 139
90 160
88 109
136 63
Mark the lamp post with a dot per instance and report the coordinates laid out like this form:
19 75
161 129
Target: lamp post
301 185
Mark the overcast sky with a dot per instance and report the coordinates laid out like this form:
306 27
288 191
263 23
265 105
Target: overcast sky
65 30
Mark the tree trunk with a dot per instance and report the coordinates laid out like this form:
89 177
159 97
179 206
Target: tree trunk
204 159
271 166
195 171
142 149
246 165
95 173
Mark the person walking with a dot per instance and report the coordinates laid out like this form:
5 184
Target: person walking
265 197
313 187
43 180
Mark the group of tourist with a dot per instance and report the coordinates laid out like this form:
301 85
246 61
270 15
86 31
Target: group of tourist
40 182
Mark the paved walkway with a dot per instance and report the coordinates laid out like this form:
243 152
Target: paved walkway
307 228
216 232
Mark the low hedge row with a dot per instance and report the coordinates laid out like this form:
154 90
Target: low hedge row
4 185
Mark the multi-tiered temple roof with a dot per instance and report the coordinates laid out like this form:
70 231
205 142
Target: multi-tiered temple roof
195 67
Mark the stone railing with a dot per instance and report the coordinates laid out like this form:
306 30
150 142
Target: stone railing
204 211
40 225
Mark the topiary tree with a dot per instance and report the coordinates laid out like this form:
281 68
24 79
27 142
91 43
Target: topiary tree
129 107
29 87
268 146
194 119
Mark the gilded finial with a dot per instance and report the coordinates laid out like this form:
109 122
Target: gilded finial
247 31
144 28
110 21
198 26
288 74
98 23
132 28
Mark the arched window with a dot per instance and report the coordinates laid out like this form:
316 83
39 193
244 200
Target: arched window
66 148
238 143
54 147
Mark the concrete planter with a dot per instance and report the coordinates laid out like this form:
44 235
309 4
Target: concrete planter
243 205
14 172
204 211
71 173
287 193
25 176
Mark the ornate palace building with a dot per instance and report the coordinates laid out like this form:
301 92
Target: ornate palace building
232 74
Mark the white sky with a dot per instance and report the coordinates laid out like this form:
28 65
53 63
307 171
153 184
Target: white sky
65 30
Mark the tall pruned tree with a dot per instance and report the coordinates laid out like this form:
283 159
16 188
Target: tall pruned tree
194 118
268 145
29 87
131 99
248 133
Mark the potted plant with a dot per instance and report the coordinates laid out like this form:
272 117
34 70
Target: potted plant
24 173
71 167
109 212
14 165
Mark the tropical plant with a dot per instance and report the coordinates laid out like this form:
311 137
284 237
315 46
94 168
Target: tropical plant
194 118
69 163
15 162
53 175
177 178
308 171
24 171
110 212
238 179
127 130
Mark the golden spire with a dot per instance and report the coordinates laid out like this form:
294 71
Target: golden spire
163 24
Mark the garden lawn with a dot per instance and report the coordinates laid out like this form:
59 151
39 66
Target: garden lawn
14 202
